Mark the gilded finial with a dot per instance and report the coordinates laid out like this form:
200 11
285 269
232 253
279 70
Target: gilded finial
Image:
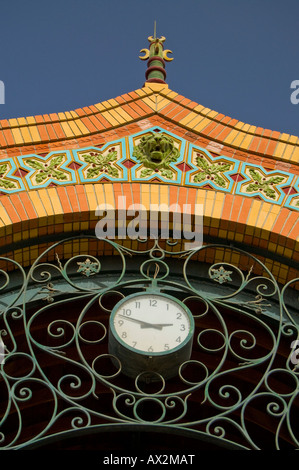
156 56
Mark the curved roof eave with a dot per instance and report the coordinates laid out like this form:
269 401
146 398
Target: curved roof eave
70 129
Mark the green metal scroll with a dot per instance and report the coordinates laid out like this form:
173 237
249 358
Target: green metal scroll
57 379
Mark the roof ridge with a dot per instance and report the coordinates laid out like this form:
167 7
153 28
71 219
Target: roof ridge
139 104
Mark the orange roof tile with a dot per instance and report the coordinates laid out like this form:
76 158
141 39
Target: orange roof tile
152 100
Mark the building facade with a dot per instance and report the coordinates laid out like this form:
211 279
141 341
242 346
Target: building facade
152 197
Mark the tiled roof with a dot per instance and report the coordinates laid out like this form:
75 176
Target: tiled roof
42 133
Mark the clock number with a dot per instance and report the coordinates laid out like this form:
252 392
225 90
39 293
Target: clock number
182 327
127 311
178 316
153 303
124 334
134 344
120 322
178 340
166 347
151 349
137 304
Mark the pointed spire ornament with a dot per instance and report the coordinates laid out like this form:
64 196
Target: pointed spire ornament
156 57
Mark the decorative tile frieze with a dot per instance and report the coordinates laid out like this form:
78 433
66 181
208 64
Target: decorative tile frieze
153 155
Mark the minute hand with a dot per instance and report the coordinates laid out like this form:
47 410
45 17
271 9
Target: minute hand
158 326
144 324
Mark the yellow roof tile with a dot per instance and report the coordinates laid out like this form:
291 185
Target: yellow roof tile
279 149
100 106
34 134
17 135
123 114
231 136
295 155
247 141
37 203
162 103
289 149
13 122
81 126
54 200
75 129
201 125
67 130
26 135
4 215
110 118
31 120
22 121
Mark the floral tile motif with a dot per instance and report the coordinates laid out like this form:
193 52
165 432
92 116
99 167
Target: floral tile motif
267 185
158 155
97 164
210 172
9 182
43 171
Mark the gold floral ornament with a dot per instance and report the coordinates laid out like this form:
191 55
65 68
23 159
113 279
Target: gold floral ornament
156 152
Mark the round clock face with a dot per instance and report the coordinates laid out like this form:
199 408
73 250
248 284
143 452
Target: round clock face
152 323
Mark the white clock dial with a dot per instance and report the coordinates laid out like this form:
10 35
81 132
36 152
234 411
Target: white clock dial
152 323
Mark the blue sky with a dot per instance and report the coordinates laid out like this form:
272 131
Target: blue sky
237 57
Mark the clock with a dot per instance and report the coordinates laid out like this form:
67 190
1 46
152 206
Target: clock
151 333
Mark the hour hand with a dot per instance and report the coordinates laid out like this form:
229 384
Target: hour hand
144 324
157 325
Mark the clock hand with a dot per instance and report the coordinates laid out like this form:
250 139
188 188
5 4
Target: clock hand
160 325
142 323
145 324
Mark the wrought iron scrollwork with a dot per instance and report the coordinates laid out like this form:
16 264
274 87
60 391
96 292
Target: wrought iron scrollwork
242 373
